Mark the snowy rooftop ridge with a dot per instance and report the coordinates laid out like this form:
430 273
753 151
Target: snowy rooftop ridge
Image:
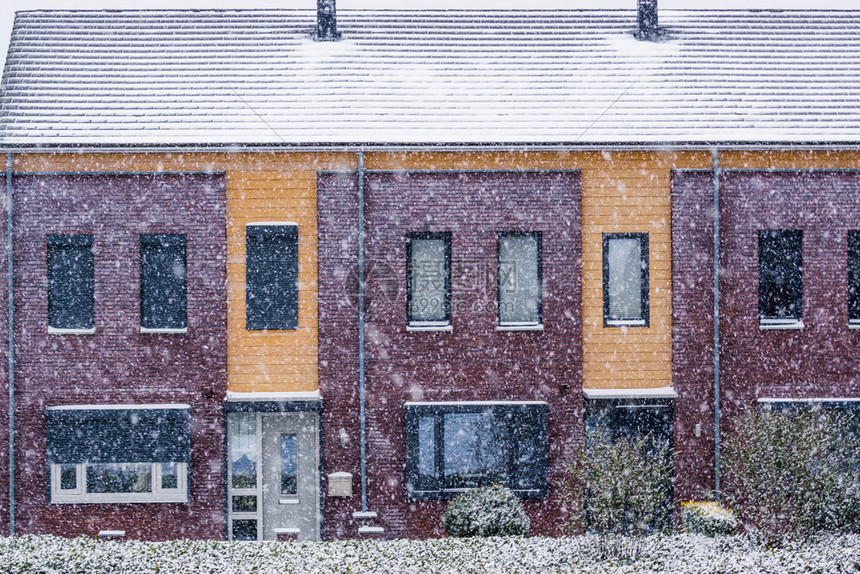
570 77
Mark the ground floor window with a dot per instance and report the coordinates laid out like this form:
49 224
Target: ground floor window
118 453
451 447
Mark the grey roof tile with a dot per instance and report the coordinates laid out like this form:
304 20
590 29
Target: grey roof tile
255 77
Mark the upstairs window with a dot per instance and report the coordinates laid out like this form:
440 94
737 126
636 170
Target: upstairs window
625 280
780 278
451 447
162 282
70 284
519 280
854 279
272 277
428 280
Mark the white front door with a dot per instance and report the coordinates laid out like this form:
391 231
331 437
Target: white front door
290 476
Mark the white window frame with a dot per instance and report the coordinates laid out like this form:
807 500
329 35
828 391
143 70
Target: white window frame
79 494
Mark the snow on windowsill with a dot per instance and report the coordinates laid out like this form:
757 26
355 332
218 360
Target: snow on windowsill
809 400
439 327
274 396
625 323
854 324
130 407
57 331
780 324
648 393
520 327
148 330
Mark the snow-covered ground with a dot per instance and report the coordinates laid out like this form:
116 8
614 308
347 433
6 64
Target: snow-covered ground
678 554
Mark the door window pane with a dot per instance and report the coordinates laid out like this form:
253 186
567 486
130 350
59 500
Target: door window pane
429 278
243 449
71 286
289 484
245 503
244 530
119 477
519 278
780 274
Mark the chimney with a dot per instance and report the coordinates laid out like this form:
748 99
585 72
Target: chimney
326 22
648 27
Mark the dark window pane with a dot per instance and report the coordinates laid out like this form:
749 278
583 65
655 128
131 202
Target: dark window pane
427 446
429 278
68 476
272 272
119 477
288 464
70 282
162 281
528 446
169 475
247 503
780 274
244 530
519 278
854 275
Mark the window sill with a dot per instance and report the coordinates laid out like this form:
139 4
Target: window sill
141 498
58 331
624 323
148 330
854 324
440 327
780 324
520 327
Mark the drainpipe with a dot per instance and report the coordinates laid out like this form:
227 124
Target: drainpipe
11 366
716 155
361 358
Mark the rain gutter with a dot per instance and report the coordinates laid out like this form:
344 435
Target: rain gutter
717 172
11 325
362 395
334 147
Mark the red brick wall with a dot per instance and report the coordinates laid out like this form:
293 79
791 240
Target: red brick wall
819 361
822 359
472 363
693 331
337 222
118 364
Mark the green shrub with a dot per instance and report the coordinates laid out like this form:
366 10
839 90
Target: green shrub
621 486
486 511
708 518
792 474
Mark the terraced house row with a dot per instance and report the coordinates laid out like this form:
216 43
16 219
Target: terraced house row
307 274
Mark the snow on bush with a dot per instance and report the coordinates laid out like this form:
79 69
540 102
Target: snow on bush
486 511
678 554
708 518
793 474
620 486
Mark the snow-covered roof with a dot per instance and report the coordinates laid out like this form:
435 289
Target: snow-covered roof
571 77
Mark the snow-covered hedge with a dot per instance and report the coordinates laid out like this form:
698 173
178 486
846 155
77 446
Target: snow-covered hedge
708 518
486 511
679 554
